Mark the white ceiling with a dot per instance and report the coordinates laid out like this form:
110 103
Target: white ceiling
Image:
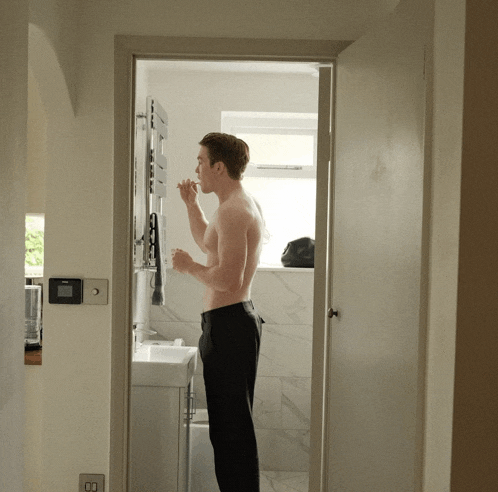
346 20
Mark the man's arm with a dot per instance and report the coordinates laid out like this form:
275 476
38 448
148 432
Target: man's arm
198 224
196 217
228 274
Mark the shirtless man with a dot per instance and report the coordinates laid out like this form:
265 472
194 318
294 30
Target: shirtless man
231 328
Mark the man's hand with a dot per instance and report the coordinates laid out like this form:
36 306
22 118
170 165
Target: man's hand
197 220
188 191
182 261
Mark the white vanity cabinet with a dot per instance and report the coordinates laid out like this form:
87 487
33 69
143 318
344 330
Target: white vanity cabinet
160 426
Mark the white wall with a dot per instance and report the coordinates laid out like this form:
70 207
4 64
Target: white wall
13 140
67 397
37 149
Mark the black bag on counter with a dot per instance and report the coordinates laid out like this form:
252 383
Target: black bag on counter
299 253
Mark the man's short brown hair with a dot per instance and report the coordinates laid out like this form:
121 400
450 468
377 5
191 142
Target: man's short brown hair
230 150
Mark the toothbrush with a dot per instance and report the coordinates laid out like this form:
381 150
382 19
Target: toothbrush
192 182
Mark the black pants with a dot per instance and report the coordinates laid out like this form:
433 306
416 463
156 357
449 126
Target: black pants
229 349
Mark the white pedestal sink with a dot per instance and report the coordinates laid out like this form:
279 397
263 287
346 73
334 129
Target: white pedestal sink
160 363
160 416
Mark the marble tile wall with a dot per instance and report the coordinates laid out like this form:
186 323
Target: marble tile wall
284 299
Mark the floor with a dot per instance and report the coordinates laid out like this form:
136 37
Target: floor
279 481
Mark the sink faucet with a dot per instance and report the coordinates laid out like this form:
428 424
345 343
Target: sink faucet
139 335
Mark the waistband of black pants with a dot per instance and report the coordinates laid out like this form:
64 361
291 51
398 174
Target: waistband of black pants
238 309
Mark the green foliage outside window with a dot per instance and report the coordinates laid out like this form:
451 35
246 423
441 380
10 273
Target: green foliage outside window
34 245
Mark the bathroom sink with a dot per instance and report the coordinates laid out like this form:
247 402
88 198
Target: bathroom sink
158 352
160 363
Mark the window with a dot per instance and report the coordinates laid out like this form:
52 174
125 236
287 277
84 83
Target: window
281 174
281 144
34 245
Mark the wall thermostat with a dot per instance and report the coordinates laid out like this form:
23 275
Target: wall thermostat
65 290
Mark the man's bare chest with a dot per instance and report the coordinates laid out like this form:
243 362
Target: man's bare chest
211 239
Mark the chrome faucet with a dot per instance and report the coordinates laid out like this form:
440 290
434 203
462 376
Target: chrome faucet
139 334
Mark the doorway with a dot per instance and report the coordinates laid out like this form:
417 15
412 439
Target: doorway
273 106
126 54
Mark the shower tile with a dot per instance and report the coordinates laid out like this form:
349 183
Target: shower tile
282 403
284 298
296 403
267 410
286 450
163 313
199 391
285 351
170 330
282 481
281 297
183 296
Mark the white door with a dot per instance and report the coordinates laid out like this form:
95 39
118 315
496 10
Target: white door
377 258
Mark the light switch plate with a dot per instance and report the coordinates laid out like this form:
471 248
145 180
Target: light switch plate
92 482
95 290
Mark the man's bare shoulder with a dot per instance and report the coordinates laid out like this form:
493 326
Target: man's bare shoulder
241 206
233 211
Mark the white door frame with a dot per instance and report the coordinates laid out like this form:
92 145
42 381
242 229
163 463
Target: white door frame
126 50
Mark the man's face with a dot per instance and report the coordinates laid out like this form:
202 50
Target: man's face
204 171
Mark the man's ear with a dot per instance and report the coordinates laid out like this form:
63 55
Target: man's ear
219 167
